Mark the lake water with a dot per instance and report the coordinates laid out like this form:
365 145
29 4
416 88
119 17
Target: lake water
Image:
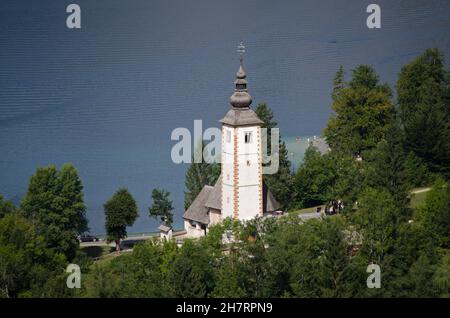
108 96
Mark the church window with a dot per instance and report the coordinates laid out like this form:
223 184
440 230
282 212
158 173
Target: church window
248 137
228 136
248 163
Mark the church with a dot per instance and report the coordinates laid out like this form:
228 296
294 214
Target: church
240 192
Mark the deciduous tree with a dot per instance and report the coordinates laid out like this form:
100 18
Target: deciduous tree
120 211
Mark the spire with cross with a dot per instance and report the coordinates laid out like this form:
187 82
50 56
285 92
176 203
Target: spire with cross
241 51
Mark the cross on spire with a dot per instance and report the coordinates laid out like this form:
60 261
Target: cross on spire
241 51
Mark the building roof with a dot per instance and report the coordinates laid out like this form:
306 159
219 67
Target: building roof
240 113
198 211
241 117
269 202
164 228
215 196
211 198
321 145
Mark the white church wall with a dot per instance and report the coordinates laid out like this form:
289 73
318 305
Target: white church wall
227 171
242 144
214 217
193 231
249 173
249 201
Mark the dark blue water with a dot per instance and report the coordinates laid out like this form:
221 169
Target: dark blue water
107 97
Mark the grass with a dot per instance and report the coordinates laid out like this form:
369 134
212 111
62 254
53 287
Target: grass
307 210
417 199
97 251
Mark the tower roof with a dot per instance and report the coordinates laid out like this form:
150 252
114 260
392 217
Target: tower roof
240 113
241 98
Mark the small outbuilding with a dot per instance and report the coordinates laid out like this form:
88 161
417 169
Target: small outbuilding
165 232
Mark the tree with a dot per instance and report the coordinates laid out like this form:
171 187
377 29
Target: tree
228 280
314 180
54 202
387 170
350 178
377 220
338 83
363 108
320 259
198 175
280 183
120 211
441 277
187 276
417 172
338 275
434 216
26 265
162 206
6 207
423 89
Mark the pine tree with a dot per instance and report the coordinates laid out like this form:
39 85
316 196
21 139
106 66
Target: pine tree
387 171
198 175
338 83
280 183
423 89
6 207
162 206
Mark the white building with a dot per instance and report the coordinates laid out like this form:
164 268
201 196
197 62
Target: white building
240 192
165 232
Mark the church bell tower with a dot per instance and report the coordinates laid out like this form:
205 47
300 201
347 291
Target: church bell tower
242 184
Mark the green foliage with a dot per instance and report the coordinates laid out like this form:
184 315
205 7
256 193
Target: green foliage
350 178
441 276
434 216
162 206
120 211
54 201
377 220
416 171
280 183
27 267
198 175
322 265
363 108
423 89
338 83
387 168
6 207
188 275
228 279
314 180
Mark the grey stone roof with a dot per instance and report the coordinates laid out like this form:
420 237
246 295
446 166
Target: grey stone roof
211 198
198 211
270 204
321 145
164 228
215 196
241 117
